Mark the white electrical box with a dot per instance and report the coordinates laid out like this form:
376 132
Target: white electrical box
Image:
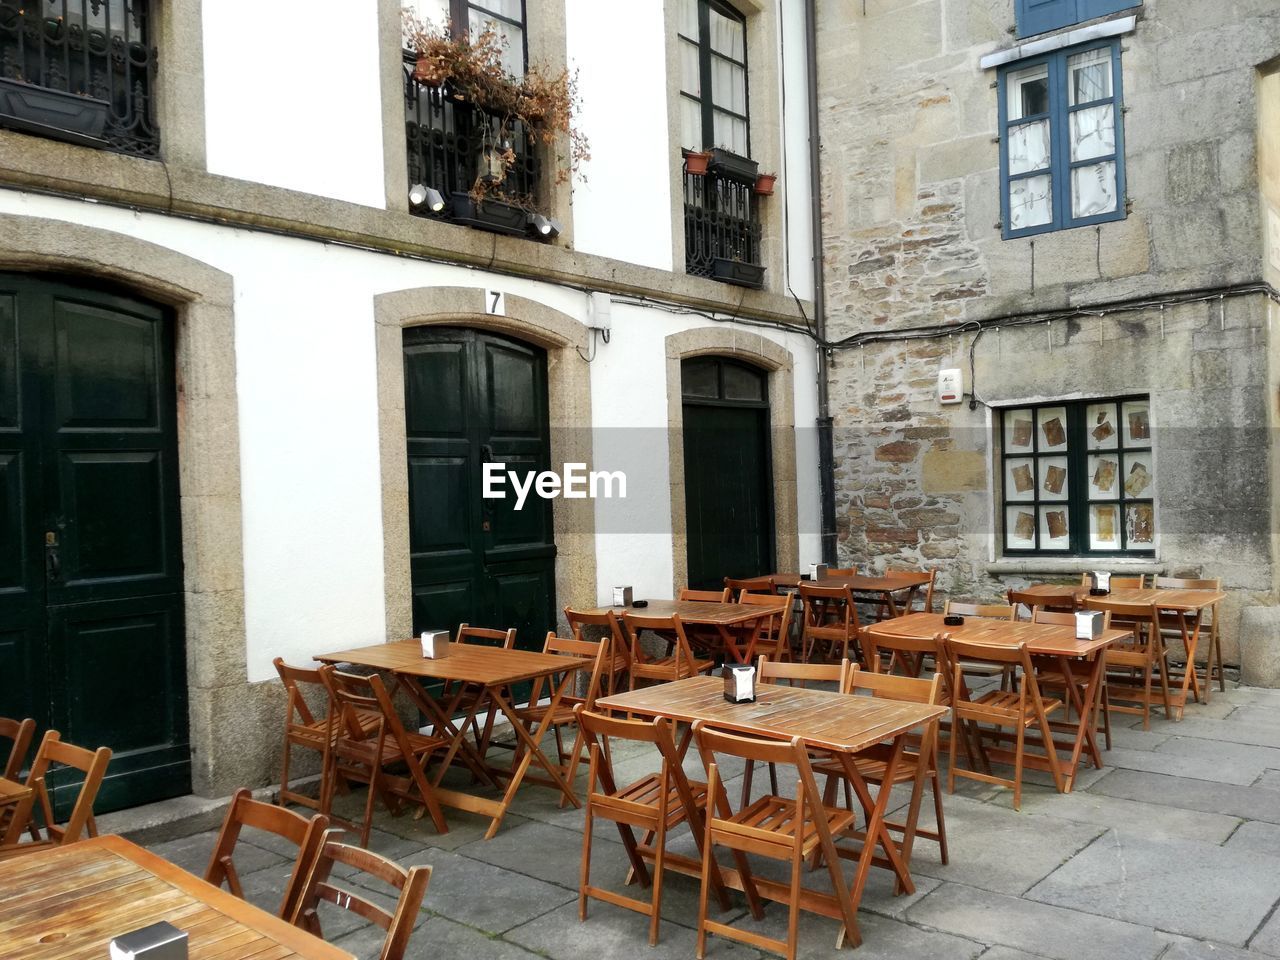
600 311
950 385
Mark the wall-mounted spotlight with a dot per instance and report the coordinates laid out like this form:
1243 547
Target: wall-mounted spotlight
546 228
424 196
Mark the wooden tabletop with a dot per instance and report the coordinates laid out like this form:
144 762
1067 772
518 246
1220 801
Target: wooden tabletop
859 583
71 902
705 612
1042 639
11 792
467 663
1168 599
821 718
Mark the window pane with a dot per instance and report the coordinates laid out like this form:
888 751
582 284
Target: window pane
691 124
1136 419
1019 479
1140 525
1139 475
1018 429
1093 132
513 51
690 74
1028 92
742 384
1053 428
1104 526
698 379
1104 471
1100 421
1029 146
727 36
688 22
730 133
1053 478
1093 189
728 85
1019 528
1030 202
511 9
1089 76
1055 528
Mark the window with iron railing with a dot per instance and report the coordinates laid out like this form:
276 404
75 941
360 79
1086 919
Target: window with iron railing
454 144
722 228
80 70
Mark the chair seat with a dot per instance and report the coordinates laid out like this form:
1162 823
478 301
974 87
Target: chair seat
313 734
1001 706
365 751
872 763
563 712
771 820
647 790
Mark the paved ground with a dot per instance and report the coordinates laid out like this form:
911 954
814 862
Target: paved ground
1171 852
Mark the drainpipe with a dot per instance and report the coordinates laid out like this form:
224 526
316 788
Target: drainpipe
826 446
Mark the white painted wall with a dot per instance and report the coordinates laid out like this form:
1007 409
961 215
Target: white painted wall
794 182
293 100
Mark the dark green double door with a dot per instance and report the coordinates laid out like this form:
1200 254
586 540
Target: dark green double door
91 626
473 398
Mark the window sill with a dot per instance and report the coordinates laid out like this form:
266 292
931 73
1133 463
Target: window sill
1051 566
1060 41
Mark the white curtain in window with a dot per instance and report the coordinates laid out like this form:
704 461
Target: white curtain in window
1029 147
727 36
1093 132
691 124
1093 189
728 85
1030 202
730 133
1089 76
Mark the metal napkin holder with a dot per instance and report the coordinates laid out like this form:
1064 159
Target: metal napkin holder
1099 583
1088 625
160 941
739 683
622 596
436 644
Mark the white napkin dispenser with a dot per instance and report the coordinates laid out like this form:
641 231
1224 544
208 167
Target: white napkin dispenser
435 644
817 571
1099 583
622 596
160 941
739 683
1088 625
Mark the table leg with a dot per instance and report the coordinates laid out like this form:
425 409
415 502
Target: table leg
1189 642
458 746
730 644
1087 707
877 834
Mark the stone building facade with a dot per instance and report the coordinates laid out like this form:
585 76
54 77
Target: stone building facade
1173 299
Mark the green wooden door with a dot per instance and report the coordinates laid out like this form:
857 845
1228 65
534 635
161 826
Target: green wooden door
472 397
727 471
91 626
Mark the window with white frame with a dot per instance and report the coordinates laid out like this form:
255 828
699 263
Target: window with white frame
713 77
1078 478
1062 139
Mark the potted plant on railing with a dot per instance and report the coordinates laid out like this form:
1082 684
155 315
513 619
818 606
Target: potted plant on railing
765 183
695 162
543 104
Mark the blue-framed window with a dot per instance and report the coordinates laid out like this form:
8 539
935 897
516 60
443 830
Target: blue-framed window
1039 16
1061 141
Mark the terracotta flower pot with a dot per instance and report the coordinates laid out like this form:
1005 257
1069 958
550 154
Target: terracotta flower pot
696 163
424 72
765 183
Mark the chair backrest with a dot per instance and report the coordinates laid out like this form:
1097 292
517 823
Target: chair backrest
713 743
483 636
983 611
599 728
776 631
952 652
1121 583
1143 617
801 674
706 596
1065 619
409 884
597 653
928 587
889 687
305 834
841 572
353 695
753 584
19 734
821 600
92 763
296 680
907 653
1187 583
634 624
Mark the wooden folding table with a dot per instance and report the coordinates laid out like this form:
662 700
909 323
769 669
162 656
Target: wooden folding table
727 621
1056 642
491 671
67 903
836 723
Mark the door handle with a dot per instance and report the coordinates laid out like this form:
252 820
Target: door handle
52 562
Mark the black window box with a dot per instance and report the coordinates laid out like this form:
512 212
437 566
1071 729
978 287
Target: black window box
732 166
737 272
493 215
53 113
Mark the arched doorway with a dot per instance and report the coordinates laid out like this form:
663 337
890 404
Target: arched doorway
728 477
91 579
471 397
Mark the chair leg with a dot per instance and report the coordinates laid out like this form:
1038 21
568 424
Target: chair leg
747 774
793 904
584 871
1017 765
706 876
957 730
659 868
1146 696
937 812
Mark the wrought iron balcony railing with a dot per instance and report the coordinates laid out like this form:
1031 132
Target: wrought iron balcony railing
80 70
722 229
450 145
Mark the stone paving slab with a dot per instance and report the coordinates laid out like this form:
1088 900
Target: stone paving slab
1196 889
1257 836
1229 799
1267 940
1129 816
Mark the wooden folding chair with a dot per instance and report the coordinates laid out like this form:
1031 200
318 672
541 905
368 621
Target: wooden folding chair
793 675
19 735
307 834
926 605
880 603
362 755
779 828
619 661
532 716
917 767
410 886
680 663
705 596
1033 602
772 637
984 611
1020 709
829 620
657 803
92 763
1133 663
750 585
462 698
1170 629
